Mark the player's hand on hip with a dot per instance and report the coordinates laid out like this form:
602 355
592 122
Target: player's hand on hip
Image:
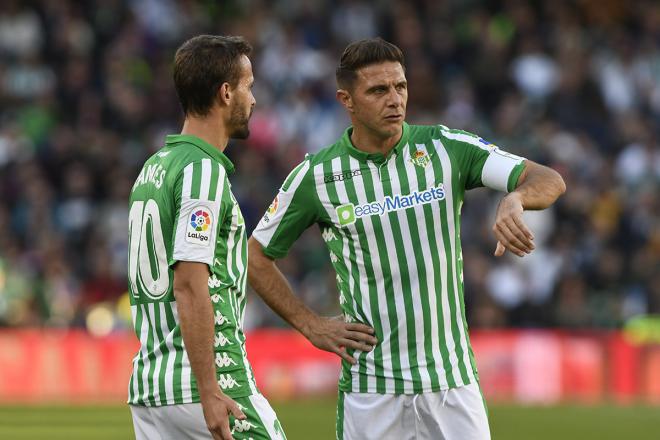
511 232
217 408
335 335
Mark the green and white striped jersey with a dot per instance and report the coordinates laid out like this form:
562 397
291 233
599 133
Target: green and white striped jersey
182 209
392 226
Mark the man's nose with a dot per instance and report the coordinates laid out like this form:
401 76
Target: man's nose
394 99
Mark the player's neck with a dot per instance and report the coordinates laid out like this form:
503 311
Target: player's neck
208 130
366 140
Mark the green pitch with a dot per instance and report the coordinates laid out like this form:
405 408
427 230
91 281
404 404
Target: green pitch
306 419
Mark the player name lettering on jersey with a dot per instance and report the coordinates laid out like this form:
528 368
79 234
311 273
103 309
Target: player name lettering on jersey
154 174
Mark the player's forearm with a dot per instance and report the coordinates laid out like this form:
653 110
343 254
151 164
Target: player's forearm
271 285
197 327
539 186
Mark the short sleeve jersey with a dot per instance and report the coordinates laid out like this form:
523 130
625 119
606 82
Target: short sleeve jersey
182 209
392 227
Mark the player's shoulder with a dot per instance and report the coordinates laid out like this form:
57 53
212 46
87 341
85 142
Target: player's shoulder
447 136
326 154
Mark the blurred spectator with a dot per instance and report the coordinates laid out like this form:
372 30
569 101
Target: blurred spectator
86 96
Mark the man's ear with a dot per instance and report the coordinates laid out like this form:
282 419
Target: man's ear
344 97
224 94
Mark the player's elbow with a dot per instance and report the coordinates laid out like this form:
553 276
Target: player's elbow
559 183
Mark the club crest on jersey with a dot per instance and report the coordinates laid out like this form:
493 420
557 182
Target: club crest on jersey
199 226
420 157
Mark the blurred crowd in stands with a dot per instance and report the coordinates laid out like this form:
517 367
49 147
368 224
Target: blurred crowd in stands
86 96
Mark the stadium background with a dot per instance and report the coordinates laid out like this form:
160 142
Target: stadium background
86 95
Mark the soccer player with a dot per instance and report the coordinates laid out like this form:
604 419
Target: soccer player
387 197
188 261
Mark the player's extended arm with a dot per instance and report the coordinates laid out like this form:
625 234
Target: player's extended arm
197 329
538 188
330 334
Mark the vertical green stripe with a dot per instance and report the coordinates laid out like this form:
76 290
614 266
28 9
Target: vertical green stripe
406 284
196 180
437 165
334 198
437 269
137 373
178 367
152 356
171 325
140 318
165 354
340 416
215 175
458 187
419 251
382 244
373 291
351 296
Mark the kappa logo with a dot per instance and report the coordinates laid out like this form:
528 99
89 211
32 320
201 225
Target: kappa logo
328 235
346 175
223 360
199 226
220 319
226 381
241 426
221 340
216 298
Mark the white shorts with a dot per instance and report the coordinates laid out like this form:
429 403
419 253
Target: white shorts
186 421
455 414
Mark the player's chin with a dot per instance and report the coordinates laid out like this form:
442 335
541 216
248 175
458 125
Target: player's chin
241 133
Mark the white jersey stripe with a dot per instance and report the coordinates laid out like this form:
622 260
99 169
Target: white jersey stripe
146 362
364 286
431 284
169 342
444 280
155 371
397 282
412 270
451 222
205 184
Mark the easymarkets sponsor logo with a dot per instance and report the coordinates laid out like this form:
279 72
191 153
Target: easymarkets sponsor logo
349 213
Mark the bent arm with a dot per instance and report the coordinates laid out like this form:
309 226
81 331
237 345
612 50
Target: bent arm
271 285
332 335
538 186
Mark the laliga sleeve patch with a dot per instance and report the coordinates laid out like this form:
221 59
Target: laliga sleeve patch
200 226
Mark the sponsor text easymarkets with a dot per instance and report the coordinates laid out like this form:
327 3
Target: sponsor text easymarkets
349 212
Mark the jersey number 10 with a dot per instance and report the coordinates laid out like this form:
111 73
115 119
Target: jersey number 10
147 257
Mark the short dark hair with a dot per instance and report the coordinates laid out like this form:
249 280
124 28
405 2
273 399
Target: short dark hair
364 53
202 64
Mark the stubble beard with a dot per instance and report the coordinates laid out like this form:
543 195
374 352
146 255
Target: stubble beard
239 122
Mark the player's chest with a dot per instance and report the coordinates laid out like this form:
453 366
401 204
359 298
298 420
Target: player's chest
364 192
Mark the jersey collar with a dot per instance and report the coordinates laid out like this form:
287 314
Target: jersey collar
375 157
204 146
